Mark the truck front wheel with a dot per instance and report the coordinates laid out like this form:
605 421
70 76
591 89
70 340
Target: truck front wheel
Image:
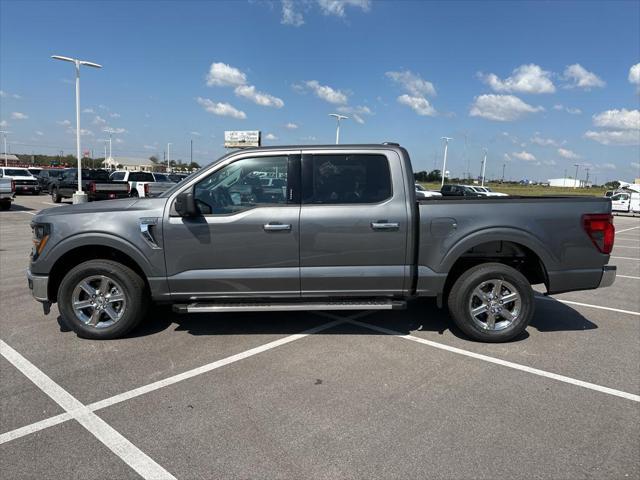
491 302
55 197
102 299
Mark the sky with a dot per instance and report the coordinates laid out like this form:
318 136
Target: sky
540 85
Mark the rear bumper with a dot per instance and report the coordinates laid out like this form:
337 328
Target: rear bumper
608 276
39 285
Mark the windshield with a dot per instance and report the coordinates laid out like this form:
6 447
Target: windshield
17 172
161 177
420 187
179 184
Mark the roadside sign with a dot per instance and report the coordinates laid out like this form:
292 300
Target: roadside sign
242 138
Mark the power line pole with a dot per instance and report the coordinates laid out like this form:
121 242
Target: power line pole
575 180
191 157
484 166
503 167
444 163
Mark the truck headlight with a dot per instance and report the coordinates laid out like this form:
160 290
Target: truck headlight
41 232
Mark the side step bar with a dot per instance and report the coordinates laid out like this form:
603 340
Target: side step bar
289 307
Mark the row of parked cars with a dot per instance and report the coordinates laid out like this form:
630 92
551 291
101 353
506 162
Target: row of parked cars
99 184
453 190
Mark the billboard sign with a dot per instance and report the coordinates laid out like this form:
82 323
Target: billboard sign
241 139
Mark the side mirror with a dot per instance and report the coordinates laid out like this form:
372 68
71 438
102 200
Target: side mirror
185 204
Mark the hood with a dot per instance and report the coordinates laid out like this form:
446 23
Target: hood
105 206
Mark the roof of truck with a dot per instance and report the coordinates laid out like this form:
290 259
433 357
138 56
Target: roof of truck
341 146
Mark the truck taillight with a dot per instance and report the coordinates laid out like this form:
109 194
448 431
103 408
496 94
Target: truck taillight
599 227
13 185
146 189
92 187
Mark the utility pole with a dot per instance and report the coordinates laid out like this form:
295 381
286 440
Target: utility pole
564 179
484 166
503 167
338 117
586 182
168 156
191 156
4 135
575 180
444 162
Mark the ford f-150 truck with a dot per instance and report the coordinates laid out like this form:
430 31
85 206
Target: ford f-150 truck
95 183
346 233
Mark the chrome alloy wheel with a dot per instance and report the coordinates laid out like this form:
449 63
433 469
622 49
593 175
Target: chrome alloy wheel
494 304
98 301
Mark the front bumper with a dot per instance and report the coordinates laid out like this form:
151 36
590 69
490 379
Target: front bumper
608 276
38 284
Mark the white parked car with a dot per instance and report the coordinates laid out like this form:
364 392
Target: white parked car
142 184
486 191
22 179
422 192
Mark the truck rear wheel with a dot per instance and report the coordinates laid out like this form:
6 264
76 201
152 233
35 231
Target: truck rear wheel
102 299
491 302
55 197
5 204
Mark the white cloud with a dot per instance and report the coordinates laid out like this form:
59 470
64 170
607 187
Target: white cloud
19 116
99 120
566 153
39 133
607 166
579 77
420 105
635 165
618 119
291 126
614 137
3 94
544 142
149 147
412 83
270 136
119 140
634 74
221 108
529 78
83 132
115 131
260 98
103 107
549 163
114 115
223 75
357 112
289 14
327 93
523 155
562 108
337 7
64 123
3 123
501 108
88 110
196 134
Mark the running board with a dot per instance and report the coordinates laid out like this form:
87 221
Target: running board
289 307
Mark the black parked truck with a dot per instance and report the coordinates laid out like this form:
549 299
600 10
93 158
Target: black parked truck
95 183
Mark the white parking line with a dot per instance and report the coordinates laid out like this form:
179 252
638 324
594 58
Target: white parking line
504 363
51 203
107 402
144 465
627 229
627 276
626 258
599 307
625 246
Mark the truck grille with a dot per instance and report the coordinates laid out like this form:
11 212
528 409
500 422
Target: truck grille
26 182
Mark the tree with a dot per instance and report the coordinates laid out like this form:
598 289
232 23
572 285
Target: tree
194 166
153 159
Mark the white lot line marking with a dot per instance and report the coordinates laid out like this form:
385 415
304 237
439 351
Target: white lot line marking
504 363
626 258
569 302
107 402
628 276
54 204
627 229
626 246
144 465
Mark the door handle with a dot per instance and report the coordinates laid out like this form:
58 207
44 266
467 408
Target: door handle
277 227
385 225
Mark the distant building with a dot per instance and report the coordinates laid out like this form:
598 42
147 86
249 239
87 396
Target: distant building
568 182
10 160
131 164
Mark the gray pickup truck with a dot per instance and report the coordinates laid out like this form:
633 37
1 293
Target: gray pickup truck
343 232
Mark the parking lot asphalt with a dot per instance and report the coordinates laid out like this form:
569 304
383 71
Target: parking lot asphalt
399 394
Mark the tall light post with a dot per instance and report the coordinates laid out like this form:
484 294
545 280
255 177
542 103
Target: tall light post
79 196
444 163
504 165
168 156
484 166
4 138
575 180
338 117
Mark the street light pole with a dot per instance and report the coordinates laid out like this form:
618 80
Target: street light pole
79 196
484 166
444 163
4 136
338 117
168 156
575 180
503 167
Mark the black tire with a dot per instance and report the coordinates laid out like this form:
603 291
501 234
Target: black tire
55 198
133 289
462 293
5 205
134 193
